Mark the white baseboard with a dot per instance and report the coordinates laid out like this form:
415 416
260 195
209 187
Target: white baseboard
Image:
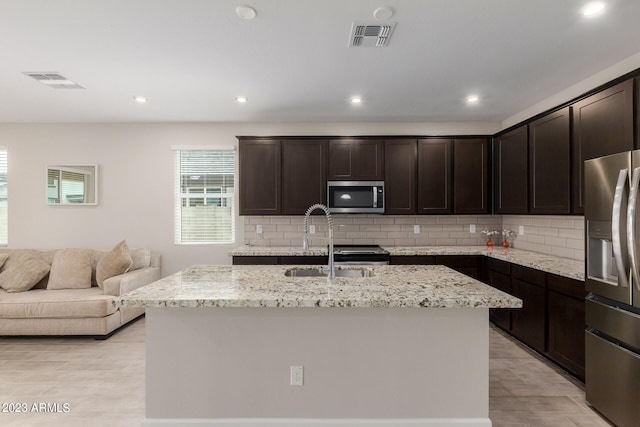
308 422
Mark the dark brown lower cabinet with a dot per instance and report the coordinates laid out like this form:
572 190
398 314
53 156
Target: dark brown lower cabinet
255 260
498 275
283 260
412 260
528 322
565 335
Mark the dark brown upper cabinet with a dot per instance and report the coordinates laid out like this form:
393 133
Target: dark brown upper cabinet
260 177
304 174
471 176
602 125
356 159
510 160
435 188
401 173
550 163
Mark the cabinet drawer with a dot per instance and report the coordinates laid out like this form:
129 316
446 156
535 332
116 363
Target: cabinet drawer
412 260
499 266
564 285
529 275
255 260
459 260
303 260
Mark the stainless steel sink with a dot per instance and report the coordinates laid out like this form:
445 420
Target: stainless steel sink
308 272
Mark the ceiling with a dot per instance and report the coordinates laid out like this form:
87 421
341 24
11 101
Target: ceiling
192 58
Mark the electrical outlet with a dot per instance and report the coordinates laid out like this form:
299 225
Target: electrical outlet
521 230
472 228
416 229
312 229
297 375
259 229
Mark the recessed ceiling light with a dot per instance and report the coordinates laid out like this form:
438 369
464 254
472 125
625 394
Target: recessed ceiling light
246 12
356 100
593 8
383 13
140 99
241 99
472 99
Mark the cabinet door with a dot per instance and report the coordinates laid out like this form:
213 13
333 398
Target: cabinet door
434 176
550 163
304 173
260 177
500 316
566 332
470 176
400 172
566 324
510 171
528 322
470 265
602 125
356 159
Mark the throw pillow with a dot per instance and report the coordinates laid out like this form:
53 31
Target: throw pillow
116 261
71 269
141 258
3 258
22 271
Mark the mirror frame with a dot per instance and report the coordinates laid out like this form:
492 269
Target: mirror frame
81 168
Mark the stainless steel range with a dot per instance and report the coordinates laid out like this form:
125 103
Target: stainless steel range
360 255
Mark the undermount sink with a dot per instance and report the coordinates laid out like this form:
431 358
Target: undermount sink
308 272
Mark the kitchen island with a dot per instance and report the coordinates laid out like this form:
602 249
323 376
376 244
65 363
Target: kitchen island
407 346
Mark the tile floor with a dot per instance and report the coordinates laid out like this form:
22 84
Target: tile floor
103 383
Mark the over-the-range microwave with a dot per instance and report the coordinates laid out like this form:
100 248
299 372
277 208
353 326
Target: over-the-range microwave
355 196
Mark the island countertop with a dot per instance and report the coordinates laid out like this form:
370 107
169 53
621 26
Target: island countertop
267 286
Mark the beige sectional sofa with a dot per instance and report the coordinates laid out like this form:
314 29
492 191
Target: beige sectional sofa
64 308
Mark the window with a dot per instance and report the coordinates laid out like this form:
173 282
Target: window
4 208
205 211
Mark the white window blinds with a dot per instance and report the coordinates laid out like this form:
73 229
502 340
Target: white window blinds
4 208
204 196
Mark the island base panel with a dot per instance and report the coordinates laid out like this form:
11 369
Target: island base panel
398 366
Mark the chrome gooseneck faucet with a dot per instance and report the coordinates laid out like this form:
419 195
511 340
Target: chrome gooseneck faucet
305 240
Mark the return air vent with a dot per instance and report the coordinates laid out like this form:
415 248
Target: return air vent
54 80
370 34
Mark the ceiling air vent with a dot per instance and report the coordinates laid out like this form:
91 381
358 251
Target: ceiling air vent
370 35
54 80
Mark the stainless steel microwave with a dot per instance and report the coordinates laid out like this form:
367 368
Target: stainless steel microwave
355 196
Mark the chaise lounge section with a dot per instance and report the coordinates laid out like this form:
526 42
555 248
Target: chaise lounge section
63 308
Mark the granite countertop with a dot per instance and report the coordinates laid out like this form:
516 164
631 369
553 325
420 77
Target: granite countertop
548 263
267 286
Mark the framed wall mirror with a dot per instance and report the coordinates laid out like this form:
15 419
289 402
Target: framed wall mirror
72 185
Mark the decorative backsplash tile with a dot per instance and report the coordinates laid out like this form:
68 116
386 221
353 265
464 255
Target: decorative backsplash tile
556 235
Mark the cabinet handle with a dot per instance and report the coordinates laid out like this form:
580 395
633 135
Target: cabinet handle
615 228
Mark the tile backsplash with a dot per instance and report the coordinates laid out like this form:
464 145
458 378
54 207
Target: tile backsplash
557 235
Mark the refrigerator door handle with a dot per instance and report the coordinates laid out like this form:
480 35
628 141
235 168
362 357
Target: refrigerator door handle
631 225
615 228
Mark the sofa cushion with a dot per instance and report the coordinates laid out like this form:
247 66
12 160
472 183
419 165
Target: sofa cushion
71 269
113 263
22 270
64 303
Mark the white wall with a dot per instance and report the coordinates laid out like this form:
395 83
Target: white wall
136 179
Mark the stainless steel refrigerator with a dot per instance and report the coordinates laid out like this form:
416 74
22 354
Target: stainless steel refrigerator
612 376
